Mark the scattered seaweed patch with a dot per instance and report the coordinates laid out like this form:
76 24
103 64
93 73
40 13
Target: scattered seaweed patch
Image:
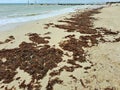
29 58
38 61
108 88
34 37
82 23
48 25
51 83
10 38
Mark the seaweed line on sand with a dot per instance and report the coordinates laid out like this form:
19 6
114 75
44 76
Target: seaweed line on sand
38 61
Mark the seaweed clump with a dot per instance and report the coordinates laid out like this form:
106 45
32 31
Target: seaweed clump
82 23
36 62
10 38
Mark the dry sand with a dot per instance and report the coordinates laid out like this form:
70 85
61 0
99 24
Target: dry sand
109 18
105 56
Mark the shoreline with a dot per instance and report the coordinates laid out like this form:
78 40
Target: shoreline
70 45
12 26
20 20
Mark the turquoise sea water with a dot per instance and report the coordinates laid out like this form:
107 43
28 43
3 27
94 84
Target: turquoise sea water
13 13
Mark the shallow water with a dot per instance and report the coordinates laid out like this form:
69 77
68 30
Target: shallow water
16 13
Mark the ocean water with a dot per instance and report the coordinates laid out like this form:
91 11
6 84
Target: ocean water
14 13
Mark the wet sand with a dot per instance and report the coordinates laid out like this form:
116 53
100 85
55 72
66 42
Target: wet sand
71 52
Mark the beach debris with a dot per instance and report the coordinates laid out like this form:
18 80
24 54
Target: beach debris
47 33
29 58
54 73
117 39
48 25
10 38
34 37
109 88
86 68
70 36
51 83
38 61
72 62
82 83
73 77
82 23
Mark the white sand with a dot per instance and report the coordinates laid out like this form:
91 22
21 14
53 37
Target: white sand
106 57
109 18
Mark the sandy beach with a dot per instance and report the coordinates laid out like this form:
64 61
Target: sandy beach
75 51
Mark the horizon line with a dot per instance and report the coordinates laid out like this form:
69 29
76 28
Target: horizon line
66 3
